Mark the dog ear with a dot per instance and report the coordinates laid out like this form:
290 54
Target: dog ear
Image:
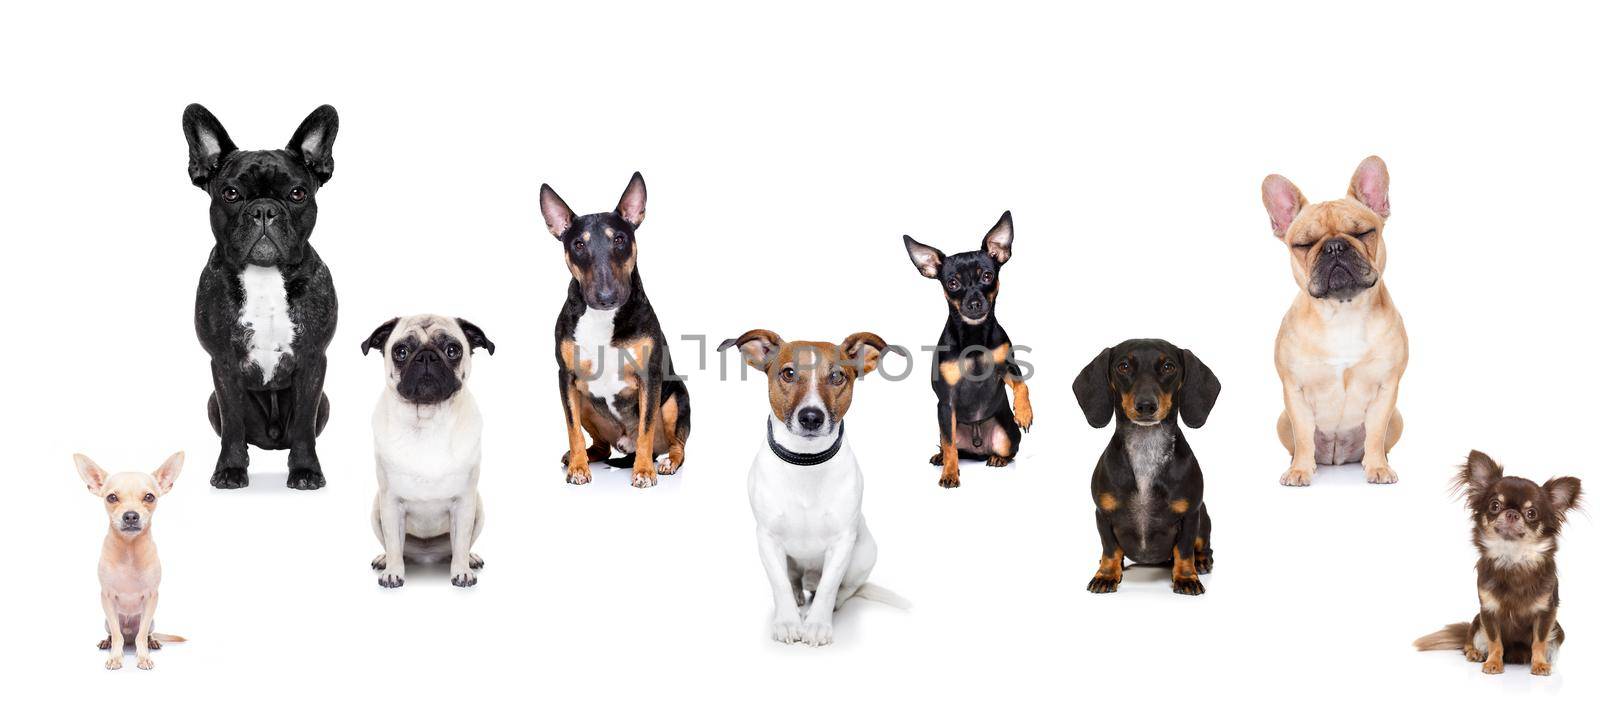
631 205
1564 493
557 217
93 475
1370 185
863 350
1199 392
997 243
1476 475
926 258
380 337
208 143
313 141
475 335
1093 388
757 346
1283 201
168 472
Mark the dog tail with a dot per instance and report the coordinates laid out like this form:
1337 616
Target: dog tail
874 593
621 463
1449 638
168 638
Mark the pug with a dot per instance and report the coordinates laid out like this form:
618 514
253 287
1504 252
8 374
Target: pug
1342 346
427 434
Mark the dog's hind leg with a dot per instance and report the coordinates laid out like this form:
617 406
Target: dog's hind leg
1004 438
796 580
861 563
473 560
214 414
1286 431
322 413
1203 561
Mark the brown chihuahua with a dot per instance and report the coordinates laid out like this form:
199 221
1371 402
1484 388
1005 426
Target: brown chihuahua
1515 523
130 571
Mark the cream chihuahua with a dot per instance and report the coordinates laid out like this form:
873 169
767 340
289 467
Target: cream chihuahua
130 571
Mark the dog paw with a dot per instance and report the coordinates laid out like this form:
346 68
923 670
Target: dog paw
578 474
1024 416
391 580
817 634
665 465
474 561
1190 586
1203 563
230 478
1297 477
104 644
950 477
153 644
937 459
1103 585
304 478
997 461
145 663
786 630
114 663
464 578
1495 666
644 477
1541 668
1381 475
380 562
1473 655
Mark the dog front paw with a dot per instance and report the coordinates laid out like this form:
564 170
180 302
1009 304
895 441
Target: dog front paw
1297 477
665 465
1541 668
305 478
464 578
1189 585
578 474
950 476
1103 584
644 476
391 580
1473 655
230 478
1381 474
786 630
1494 666
145 663
817 633
114 662
1023 412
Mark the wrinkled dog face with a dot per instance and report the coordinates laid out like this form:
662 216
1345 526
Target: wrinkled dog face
1336 247
809 383
129 498
263 203
429 357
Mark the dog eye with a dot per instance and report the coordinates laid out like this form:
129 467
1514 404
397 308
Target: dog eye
1532 514
111 499
297 195
955 284
787 375
1494 505
1124 368
452 351
1168 367
619 240
988 277
400 353
1365 234
230 195
836 377
151 497
577 244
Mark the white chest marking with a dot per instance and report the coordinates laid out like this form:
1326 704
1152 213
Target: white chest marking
1514 553
592 337
265 315
1149 450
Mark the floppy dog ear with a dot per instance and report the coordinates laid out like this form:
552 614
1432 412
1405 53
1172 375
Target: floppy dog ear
1283 201
93 475
313 141
863 350
208 143
1370 185
475 336
757 346
997 243
631 205
1093 388
1476 475
557 217
168 472
1564 493
380 337
1199 392
926 258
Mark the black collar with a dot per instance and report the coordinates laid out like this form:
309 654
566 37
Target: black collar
804 459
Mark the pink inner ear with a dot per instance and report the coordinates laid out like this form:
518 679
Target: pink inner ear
1283 203
1371 186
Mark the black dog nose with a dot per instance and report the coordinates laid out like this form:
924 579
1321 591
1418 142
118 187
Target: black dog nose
1336 246
264 214
427 357
1145 407
130 517
810 418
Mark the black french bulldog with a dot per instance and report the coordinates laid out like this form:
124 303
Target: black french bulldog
265 310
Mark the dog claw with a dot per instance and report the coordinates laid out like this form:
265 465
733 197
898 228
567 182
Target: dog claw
474 561
578 474
949 481
665 465
145 663
937 459
817 634
1190 586
785 631
1296 477
1473 655
644 478
1103 585
230 478
380 562
1381 475
391 581
154 645
104 644
1203 564
1494 667
464 579
1541 669
114 663
303 478
997 461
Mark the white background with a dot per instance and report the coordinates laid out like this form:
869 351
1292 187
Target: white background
786 150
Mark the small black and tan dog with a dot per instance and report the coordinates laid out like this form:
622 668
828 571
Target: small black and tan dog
1148 493
1515 523
974 360
615 369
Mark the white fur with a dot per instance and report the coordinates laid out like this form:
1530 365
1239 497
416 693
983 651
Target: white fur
592 338
1515 553
811 515
1148 451
265 313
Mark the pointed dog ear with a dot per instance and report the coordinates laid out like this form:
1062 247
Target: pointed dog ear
926 258
475 336
758 346
1370 185
997 243
863 350
313 141
94 476
557 217
208 143
1564 493
1283 201
168 472
379 337
1476 475
1199 391
1093 388
631 205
